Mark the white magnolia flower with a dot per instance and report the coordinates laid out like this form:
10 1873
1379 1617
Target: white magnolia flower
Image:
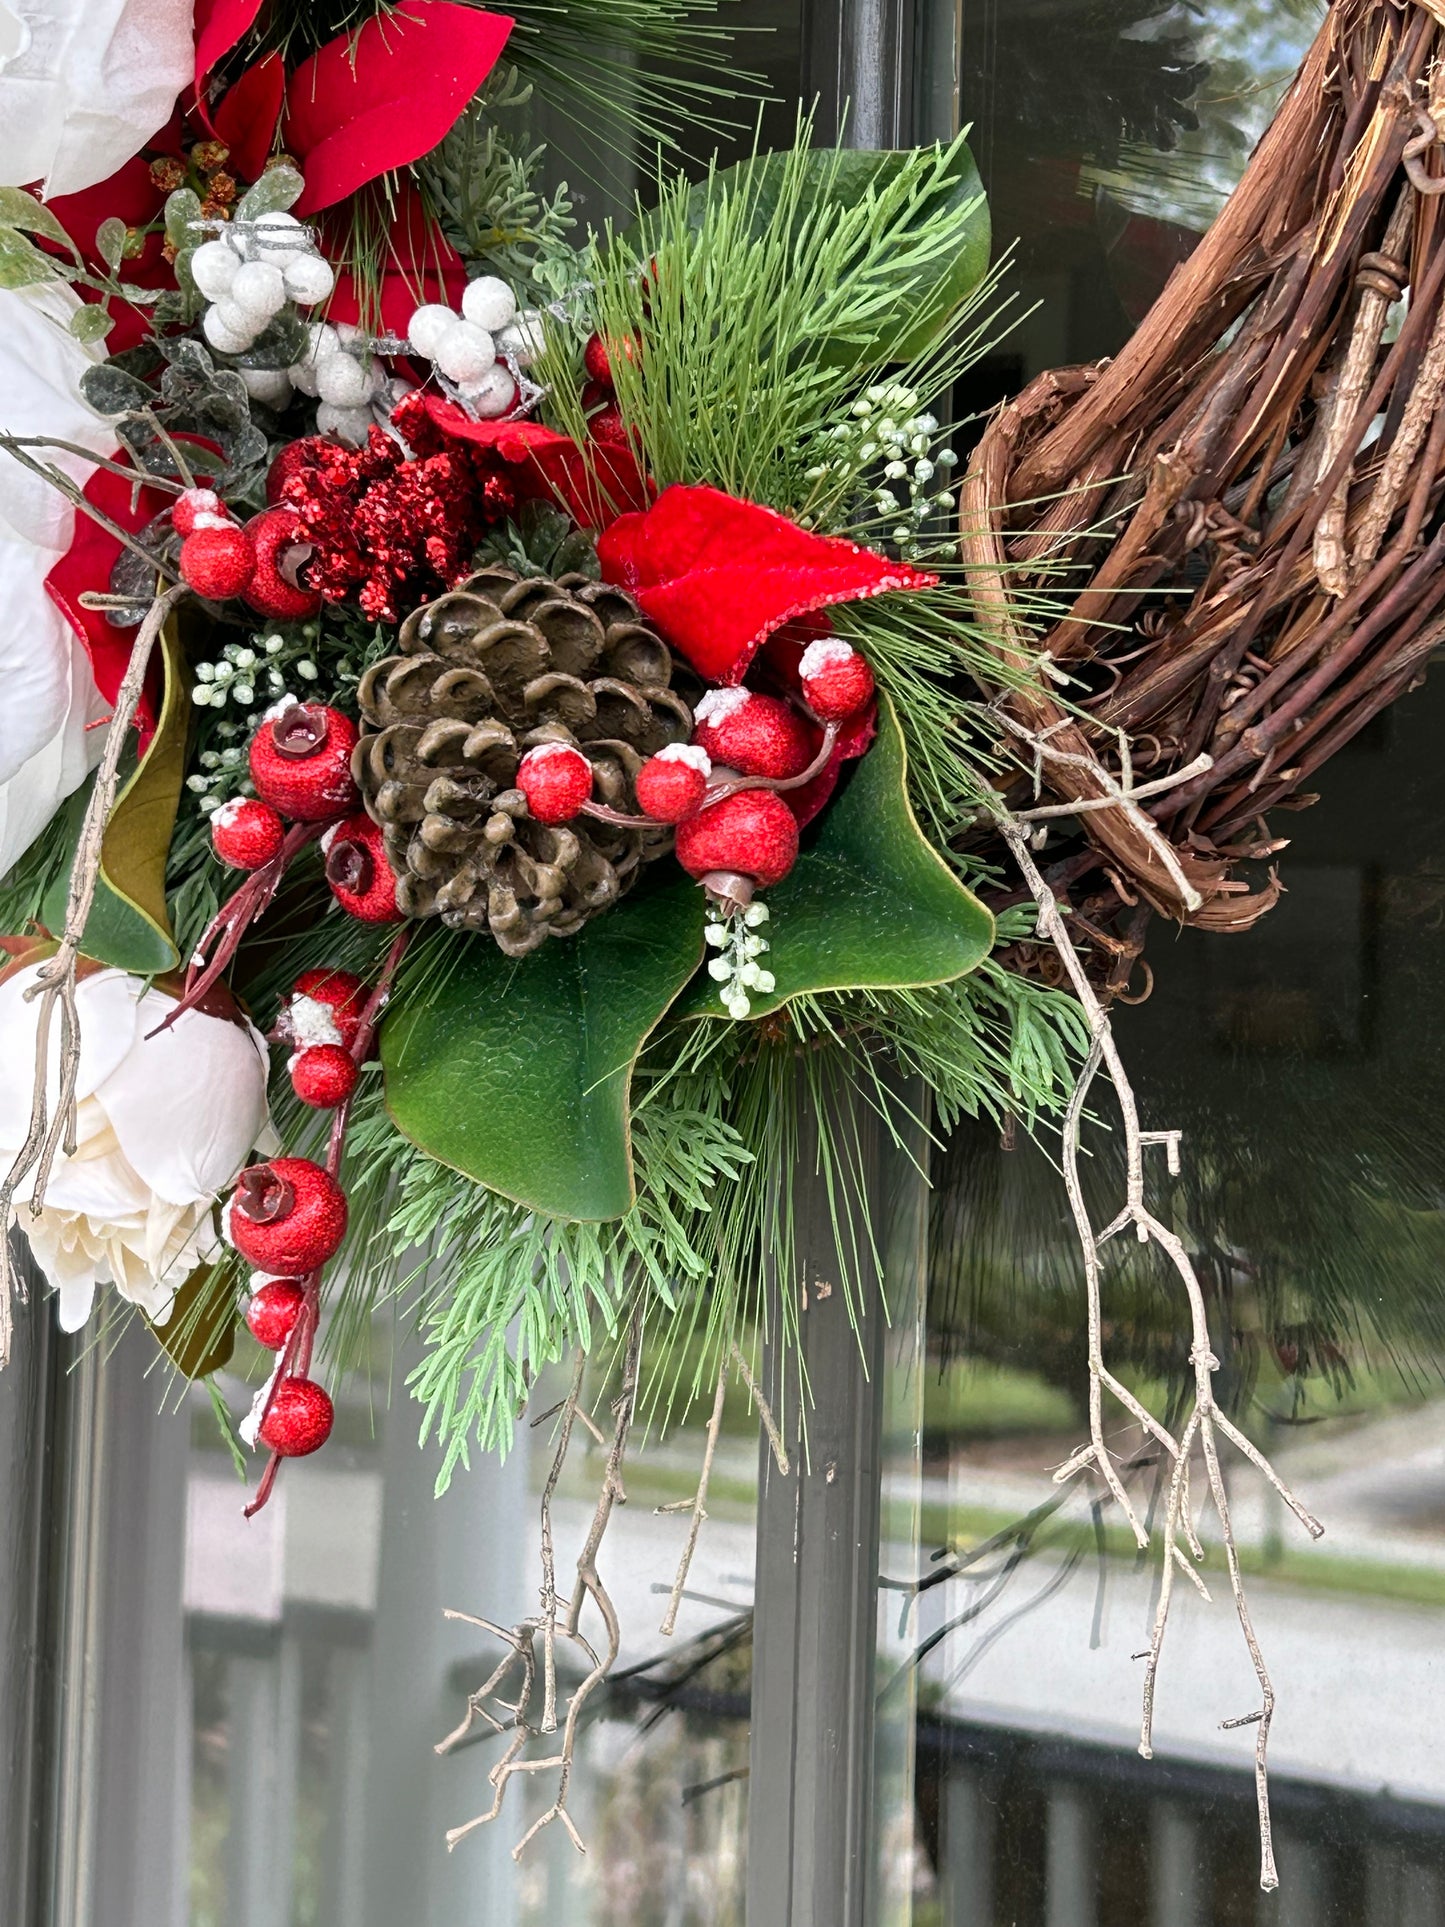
50 694
85 83
162 1125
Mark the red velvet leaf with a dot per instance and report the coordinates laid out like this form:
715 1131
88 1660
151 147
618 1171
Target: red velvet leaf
86 565
381 98
718 575
246 119
220 25
553 465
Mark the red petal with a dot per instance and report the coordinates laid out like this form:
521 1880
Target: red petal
383 97
246 119
420 265
718 575
87 564
220 25
553 464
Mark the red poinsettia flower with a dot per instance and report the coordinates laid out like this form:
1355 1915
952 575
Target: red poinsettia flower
86 565
366 104
594 487
718 575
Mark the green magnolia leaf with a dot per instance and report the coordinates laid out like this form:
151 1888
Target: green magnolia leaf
870 905
110 241
847 178
518 1072
278 189
91 323
22 264
129 926
21 209
200 1334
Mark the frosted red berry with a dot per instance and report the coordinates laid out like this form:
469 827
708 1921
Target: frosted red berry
301 762
323 1076
361 877
290 461
556 780
272 1311
836 680
246 833
752 834
607 425
287 1216
217 562
671 785
195 503
597 361
755 735
300 1418
325 1007
275 589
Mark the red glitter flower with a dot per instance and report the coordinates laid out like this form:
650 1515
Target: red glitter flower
389 529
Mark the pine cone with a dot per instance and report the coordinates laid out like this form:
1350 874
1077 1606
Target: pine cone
487 671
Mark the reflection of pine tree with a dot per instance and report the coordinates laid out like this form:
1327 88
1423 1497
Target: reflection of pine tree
1080 77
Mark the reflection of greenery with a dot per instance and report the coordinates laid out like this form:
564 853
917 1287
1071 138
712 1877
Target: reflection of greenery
1247 52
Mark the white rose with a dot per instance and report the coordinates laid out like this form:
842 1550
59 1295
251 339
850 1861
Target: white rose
162 1125
85 83
46 746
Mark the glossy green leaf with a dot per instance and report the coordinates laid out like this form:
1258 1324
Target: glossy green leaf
870 904
845 179
129 926
22 264
19 208
518 1072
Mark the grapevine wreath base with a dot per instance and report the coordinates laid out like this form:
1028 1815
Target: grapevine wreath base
584 803
1243 509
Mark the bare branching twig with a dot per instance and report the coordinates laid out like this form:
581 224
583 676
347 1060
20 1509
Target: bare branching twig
1206 1423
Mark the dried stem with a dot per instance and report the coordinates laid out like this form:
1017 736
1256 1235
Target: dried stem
1205 1420
765 1411
55 980
521 1639
697 1506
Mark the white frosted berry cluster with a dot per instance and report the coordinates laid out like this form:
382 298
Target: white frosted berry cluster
885 432
342 367
481 352
250 273
735 969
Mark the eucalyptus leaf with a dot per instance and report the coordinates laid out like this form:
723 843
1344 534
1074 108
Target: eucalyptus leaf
870 904
188 354
22 264
282 342
19 209
111 391
129 926
517 1072
183 212
279 188
91 322
110 241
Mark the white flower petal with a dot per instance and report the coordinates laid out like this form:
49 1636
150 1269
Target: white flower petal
41 364
108 1007
32 791
188 1105
92 81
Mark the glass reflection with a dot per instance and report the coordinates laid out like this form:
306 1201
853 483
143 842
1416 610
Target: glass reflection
322 1673
1305 1063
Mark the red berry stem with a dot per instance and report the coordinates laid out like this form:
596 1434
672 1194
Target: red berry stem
732 785
296 1357
729 786
227 928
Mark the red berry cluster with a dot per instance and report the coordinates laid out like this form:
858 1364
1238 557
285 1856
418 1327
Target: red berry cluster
388 528
261 562
300 760
599 396
288 1215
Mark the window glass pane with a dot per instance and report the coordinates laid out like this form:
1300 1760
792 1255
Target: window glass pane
271 1692
1305 1062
